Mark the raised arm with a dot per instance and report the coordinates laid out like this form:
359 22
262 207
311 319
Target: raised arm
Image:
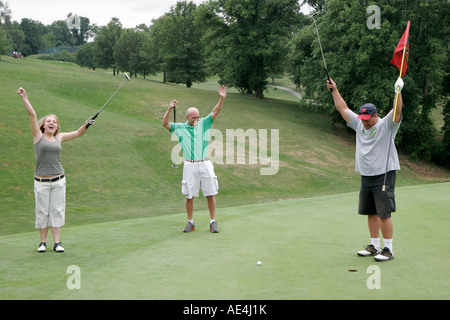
37 134
339 102
165 121
66 136
398 96
219 105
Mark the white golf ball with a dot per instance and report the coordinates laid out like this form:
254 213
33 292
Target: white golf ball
259 263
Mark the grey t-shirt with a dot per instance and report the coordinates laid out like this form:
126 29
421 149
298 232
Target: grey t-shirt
48 158
372 145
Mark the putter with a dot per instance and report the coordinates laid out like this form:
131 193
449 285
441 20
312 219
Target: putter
96 115
174 121
320 44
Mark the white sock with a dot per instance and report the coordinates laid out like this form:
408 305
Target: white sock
191 221
212 220
375 242
388 244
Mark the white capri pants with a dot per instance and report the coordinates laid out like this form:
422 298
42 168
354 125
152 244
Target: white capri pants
50 203
199 175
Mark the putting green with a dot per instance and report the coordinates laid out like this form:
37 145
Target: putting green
307 248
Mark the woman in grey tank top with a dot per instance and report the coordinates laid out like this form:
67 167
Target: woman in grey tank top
50 183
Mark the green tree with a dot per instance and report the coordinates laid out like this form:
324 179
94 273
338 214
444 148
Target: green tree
5 16
151 59
299 48
104 45
127 51
358 59
442 154
16 37
429 63
4 42
86 31
34 32
247 40
181 51
60 35
5 13
174 46
85 56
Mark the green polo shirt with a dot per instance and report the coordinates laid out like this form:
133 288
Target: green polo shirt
194 141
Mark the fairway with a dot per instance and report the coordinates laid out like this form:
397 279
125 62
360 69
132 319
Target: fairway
125 213
307 247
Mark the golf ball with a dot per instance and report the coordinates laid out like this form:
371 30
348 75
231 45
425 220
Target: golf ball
259 263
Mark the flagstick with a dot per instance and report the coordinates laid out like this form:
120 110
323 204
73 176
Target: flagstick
398 88
393 118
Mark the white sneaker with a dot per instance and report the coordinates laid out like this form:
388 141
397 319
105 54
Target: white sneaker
42 247
57 247
385 255
370 250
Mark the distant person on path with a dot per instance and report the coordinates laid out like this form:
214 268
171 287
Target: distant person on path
373 136
50 181
198 171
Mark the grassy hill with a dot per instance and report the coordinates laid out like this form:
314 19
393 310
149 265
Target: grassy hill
121 168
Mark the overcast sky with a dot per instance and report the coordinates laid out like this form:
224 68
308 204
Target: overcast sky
130 12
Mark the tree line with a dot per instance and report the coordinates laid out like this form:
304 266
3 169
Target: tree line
29 36
245 42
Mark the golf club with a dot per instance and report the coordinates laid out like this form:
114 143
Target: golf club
174 121
94 117
320 44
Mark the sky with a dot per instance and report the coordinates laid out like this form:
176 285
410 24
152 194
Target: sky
130 12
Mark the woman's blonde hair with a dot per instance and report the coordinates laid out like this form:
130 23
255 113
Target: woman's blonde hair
42 122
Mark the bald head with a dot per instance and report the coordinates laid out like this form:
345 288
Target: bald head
191 110
192 116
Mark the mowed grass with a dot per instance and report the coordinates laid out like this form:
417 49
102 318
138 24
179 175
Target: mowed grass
121 169
307 248
125 212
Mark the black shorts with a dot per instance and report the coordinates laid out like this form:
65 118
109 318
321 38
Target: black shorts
372 198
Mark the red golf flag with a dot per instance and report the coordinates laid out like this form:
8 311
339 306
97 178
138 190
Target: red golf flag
398 53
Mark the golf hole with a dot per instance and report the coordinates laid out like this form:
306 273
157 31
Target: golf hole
352 270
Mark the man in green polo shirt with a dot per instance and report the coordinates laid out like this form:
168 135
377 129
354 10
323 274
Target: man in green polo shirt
198 171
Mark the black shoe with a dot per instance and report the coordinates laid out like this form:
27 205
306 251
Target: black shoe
57 247
42 247
370 250
385 255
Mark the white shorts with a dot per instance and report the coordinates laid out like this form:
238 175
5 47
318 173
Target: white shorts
50 203
198 175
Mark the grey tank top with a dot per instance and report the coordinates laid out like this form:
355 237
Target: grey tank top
47 154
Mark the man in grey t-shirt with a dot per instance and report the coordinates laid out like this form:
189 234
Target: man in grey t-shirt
373 136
